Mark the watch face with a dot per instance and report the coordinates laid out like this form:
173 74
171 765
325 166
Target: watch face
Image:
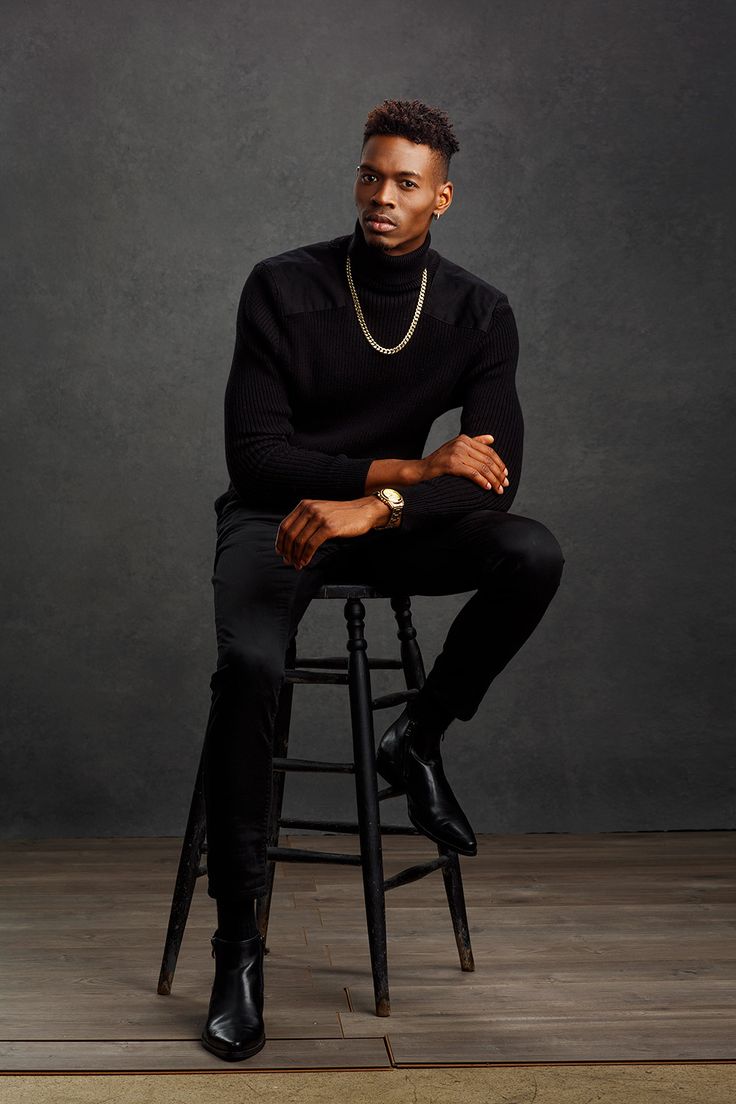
392 495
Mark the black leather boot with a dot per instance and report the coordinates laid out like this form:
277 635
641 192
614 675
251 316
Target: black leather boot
432 806
234 1028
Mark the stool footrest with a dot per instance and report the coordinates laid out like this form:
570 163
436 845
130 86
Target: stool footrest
390 791
340 663
386 701
297 854
290 764
298 674
413 873
343 826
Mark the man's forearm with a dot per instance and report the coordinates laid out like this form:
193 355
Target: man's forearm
392 473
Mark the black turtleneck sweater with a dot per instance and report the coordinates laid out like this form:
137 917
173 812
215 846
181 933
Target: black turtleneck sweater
309 404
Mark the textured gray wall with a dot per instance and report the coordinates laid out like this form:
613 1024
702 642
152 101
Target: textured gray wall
152 154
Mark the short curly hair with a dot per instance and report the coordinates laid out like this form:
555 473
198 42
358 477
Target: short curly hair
419 123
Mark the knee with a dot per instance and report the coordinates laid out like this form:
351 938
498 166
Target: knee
248 665
526 547
539 552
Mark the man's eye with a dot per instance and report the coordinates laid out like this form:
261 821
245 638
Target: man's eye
366 176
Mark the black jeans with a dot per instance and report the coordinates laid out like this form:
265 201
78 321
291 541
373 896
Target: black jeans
513 563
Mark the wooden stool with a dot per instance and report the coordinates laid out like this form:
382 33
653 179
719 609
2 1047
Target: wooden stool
352 670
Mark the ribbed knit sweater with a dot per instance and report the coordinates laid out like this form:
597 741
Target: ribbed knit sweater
309 404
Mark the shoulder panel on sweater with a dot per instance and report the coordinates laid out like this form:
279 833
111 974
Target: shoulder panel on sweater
308 277
461 298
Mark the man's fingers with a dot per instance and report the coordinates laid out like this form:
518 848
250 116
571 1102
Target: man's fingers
310 538
290 525
498 472
481 442
301 533
478 477
491 458
306 527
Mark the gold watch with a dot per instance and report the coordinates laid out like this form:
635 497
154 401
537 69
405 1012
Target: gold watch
393 499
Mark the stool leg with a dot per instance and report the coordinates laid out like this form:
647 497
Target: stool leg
366 792
411 656
415 677
452 878
186 878
280 750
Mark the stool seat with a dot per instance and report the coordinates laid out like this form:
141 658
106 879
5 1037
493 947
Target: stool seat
351 670
352 590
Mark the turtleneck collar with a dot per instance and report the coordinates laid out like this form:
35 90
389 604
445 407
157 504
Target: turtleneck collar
374 268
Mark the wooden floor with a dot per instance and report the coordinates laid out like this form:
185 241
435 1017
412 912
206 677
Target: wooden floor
587 948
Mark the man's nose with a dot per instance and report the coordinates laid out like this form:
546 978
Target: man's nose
384 195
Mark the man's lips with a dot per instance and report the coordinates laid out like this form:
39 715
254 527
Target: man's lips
380 220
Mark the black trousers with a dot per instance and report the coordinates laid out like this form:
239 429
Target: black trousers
513 563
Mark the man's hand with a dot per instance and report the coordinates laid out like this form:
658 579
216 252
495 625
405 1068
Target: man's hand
471 457
316 520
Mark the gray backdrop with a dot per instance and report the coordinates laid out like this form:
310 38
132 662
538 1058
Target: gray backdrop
153 154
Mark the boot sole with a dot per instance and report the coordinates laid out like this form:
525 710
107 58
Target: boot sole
230 1056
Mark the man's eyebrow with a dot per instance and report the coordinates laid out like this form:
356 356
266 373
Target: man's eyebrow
401 172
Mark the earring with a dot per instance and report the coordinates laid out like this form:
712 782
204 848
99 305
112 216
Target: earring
436 214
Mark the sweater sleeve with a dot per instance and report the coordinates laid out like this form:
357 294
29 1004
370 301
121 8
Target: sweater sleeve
490 404
262 463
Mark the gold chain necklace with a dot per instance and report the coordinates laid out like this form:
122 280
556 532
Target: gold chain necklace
361 319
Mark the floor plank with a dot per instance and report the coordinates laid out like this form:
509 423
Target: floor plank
188 1054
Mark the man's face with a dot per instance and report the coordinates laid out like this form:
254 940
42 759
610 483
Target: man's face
398 179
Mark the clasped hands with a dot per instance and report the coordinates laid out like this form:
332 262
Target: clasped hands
315 520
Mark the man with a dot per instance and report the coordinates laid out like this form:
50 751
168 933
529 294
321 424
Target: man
346 351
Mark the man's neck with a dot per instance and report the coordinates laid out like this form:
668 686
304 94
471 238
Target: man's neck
375 267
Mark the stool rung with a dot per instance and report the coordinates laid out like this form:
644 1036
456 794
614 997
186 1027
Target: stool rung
413 873
290 764
296 674
340 663
297 854
385 701
390 791
343 826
